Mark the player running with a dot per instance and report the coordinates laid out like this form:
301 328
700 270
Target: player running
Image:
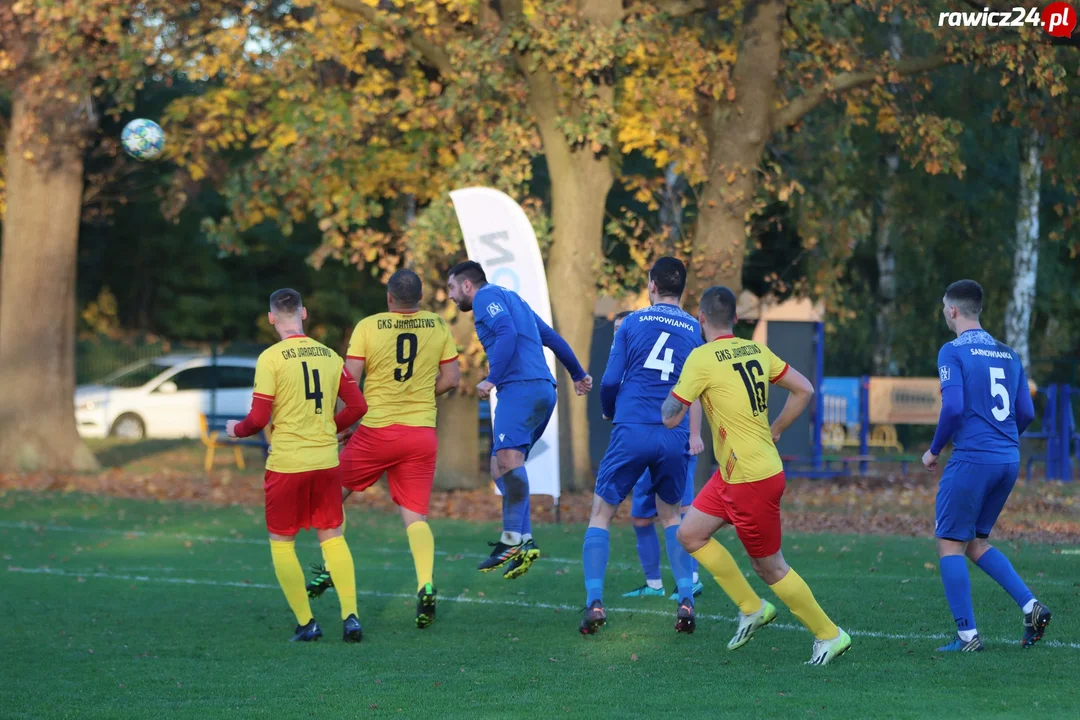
645 361
985 407
514 338
643 513
410 358
297 385
732 377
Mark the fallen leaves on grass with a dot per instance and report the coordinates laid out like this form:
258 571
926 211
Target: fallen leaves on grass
1037 511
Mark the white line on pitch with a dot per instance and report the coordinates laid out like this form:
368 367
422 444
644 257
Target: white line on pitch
162 535
509 603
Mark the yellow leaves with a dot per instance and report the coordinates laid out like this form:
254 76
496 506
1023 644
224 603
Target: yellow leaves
887 121
197 171
284 137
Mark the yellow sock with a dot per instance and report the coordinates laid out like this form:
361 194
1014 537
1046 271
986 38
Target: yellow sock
795 593
422 545
291 578
339 563
715 558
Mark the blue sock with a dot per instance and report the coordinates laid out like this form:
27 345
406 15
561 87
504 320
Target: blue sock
679 560
594 557
693 562
648 550
528 514
502 489
515 487
954 575
994 563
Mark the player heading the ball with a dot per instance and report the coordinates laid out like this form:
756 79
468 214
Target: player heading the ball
514 338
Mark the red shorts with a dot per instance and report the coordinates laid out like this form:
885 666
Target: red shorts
302 500
405 453
753 508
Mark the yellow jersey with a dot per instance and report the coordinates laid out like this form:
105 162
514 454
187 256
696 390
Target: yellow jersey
402 353
731 376
300 376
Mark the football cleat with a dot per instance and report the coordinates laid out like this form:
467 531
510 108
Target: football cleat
698 588
645 591
684 619
825 651
425 606
594 619
353 633
1035 623
958 645
500 554
307 633
524 560
320 583
750 624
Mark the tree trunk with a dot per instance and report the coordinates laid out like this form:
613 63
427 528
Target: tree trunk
736 134
1026 260
580 181
458 424
37 299
883 363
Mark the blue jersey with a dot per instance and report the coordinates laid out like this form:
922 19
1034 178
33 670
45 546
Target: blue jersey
646 359
992 379
514 337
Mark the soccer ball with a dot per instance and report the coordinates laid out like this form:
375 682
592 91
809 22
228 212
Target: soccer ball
143 139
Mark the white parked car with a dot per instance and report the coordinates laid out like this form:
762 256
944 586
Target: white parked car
163 397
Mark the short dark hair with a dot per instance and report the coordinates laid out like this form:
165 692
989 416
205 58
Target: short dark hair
405 287
621 315
469 270
967 296
718 306
669 274
286 301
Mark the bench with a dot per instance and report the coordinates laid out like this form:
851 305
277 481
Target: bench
213 436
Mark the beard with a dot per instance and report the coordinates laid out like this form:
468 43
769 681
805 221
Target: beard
464 304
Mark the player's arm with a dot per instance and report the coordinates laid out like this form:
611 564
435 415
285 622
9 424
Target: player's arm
800 391
1025 408
355 367
355 404
696 443
449 376
502 349
561 348
449 371
952 399
262 403
692 381
613 374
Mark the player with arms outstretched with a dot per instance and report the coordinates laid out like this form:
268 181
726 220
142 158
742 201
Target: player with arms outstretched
410 358
645 361
985 407
514 338
297 385
731 376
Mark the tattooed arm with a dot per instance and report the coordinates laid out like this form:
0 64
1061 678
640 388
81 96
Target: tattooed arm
673 411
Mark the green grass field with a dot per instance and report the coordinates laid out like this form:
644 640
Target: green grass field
120 608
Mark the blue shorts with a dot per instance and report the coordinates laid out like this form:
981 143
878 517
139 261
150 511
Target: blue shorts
635 449
522 412
970 498
644 499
